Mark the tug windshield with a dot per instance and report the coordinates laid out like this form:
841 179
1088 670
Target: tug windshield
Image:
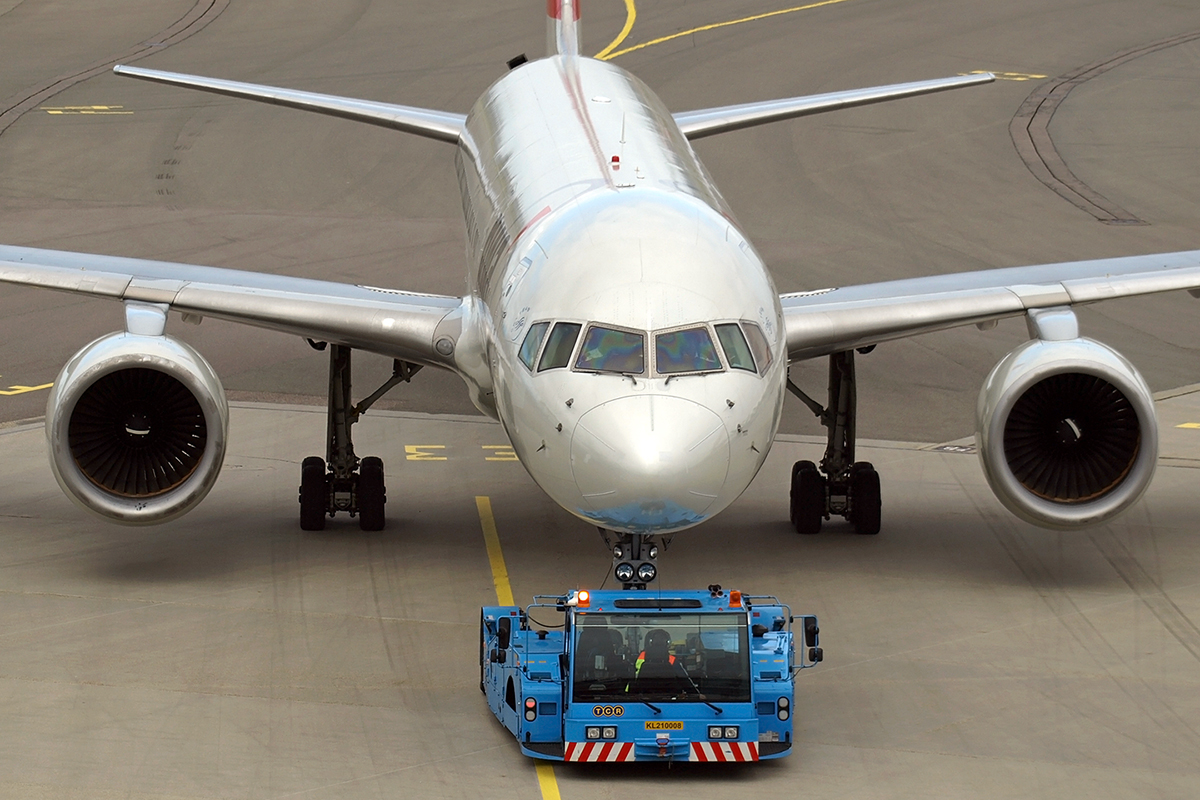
661 658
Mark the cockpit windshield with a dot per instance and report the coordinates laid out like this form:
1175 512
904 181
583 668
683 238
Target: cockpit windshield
660 658
611 350
690 350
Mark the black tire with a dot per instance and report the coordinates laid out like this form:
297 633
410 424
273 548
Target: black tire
865 500
807 497
371 494
314 494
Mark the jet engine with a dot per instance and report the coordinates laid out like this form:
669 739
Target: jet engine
1067 433
136 427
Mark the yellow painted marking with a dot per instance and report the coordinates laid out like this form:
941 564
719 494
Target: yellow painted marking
84 110
424 452
630 18
12 390
1189 425
547 783
1008 76
500 452
545 773
504 593
716 25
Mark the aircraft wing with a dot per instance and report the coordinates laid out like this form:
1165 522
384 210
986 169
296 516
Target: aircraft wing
709 121
393 323
441 125
833 320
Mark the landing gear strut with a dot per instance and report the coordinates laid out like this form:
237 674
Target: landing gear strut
635 557
840 485
341 481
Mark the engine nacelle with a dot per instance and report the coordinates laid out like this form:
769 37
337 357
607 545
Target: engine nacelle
1066 432
136 427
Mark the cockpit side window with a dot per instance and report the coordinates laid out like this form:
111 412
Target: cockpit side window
758 345
558 348
533 340
736 350
690 350
610 350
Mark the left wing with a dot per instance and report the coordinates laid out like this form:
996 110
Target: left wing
709 121
397 324
837 319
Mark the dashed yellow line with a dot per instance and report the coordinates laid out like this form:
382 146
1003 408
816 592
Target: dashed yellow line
545 772
630 18
611 55
1007 76
15 390
84 109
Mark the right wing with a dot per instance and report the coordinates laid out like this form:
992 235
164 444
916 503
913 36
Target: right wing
404 325
441 125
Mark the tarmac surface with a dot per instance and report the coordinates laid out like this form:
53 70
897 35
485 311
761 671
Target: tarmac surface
231 655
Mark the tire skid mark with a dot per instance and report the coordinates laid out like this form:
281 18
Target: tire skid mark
1148 591
1030 131
194 21
1180 739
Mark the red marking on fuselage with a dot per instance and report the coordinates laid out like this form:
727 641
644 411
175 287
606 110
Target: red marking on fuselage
554 9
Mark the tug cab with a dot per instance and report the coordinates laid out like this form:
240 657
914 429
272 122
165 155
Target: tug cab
633 675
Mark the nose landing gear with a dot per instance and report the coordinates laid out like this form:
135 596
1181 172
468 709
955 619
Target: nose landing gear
635 557
341 481
841 485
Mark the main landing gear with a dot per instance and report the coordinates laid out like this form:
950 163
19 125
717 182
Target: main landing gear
346 483
840 485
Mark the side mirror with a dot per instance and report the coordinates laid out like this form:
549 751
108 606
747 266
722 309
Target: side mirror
816 655
810 631
504 634
499 656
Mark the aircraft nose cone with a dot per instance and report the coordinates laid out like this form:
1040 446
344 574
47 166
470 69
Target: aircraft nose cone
649 463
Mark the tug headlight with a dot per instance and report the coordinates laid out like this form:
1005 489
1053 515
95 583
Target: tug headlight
624 572
609 732
714 732
593 733
646 572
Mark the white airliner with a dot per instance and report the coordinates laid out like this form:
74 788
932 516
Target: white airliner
617 321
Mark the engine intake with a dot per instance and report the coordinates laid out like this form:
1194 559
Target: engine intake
136 427
1067 433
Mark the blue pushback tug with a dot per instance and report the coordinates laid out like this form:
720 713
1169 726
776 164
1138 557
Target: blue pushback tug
636 675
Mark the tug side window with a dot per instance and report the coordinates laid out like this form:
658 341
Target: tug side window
558 349
533 340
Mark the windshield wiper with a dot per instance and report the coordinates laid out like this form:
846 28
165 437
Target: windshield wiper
653 708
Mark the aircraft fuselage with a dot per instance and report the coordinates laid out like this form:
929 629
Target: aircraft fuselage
632 341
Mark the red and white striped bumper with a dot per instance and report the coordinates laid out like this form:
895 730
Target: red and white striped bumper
600 751
724 751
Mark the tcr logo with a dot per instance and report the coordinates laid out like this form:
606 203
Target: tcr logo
608 711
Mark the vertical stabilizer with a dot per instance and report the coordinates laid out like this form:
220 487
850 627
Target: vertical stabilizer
562 27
